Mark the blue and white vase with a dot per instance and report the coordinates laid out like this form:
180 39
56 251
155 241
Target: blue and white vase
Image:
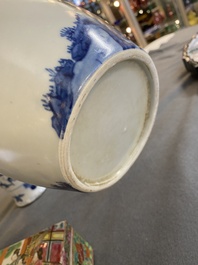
22 193
78 100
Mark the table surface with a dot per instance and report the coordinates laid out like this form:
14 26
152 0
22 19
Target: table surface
150 216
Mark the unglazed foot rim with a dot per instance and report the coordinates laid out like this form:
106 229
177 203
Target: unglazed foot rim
69 166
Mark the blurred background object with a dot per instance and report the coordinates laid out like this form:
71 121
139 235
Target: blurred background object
190 55
144 21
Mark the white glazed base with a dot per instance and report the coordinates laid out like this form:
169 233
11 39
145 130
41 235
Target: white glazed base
110 122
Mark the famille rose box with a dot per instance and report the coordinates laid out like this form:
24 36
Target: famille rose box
57 245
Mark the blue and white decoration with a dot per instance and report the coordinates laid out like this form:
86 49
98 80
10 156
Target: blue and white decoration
22 193
62 186
6 183
92 42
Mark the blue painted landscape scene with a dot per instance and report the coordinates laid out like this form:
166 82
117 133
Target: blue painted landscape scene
92 43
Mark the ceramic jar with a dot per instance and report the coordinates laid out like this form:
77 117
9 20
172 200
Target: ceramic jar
78 100
22 193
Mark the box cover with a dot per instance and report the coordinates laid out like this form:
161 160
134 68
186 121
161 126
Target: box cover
57 245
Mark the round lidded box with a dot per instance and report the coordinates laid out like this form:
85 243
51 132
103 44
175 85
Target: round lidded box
80 98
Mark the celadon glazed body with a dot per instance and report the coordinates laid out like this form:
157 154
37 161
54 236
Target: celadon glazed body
78 100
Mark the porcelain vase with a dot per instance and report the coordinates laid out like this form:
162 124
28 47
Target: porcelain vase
78 100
